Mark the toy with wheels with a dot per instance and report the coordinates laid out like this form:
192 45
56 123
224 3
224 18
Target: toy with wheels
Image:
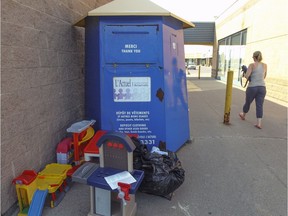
82 132
32 189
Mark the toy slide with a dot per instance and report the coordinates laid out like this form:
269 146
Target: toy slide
37 203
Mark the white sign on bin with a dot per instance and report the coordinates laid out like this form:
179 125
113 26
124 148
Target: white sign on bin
132 89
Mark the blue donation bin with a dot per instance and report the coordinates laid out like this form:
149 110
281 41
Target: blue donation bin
135 72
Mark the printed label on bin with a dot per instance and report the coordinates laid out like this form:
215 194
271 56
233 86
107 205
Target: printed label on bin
132 89
137 122
131 44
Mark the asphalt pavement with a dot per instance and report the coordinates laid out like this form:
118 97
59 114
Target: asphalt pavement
230 170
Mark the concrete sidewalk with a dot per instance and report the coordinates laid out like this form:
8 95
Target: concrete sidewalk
235 170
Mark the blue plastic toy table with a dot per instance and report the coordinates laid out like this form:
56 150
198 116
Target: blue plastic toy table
96 179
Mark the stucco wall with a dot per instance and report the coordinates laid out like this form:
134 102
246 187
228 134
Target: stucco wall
42 82
267 32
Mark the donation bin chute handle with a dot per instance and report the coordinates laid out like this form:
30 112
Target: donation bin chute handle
160 94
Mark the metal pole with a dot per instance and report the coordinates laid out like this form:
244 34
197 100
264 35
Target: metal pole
199 71
228 98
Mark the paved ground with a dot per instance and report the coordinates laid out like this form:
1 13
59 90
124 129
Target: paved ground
235 170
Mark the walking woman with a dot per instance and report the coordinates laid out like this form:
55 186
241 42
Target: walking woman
256 88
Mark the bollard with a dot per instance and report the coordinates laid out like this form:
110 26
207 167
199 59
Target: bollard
199 71
228 98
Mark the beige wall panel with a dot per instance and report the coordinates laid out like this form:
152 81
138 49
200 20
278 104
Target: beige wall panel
267 31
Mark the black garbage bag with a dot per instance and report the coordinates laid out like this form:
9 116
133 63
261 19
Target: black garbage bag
163 174
139 152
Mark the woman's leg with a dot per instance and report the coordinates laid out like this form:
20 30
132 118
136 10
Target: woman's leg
250 95
259 100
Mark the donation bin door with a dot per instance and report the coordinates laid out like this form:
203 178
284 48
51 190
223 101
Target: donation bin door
131 77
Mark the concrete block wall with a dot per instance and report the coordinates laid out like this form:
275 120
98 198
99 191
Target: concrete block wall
42 83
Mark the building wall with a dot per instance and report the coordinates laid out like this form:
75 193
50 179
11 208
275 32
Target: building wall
267 33
42 82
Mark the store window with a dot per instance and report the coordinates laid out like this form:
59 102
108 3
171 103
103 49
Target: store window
231 51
